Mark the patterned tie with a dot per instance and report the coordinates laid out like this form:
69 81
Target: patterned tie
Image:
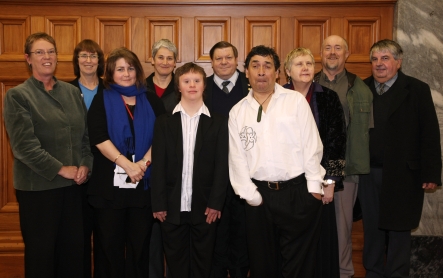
381 90
224 84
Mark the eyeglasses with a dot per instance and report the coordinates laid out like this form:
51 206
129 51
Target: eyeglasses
39 52
85 57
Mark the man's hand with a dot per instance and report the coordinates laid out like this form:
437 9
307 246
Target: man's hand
160 215
429 185
212 215
317 196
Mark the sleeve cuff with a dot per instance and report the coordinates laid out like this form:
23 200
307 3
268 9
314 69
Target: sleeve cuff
315 187
256 199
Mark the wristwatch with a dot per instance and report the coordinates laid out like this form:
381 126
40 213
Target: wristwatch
328 182
147 162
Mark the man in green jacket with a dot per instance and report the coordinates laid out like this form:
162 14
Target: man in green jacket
356 99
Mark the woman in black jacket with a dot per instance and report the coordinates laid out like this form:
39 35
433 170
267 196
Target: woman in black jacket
89 63
328 114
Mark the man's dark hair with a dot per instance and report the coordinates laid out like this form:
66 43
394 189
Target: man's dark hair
220 45
263 51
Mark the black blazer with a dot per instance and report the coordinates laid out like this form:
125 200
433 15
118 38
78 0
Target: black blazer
210 172
210 83
412 154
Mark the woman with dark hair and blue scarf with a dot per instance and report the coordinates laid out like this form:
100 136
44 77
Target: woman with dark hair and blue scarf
121 121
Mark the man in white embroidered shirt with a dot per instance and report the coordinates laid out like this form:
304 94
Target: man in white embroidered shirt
274 164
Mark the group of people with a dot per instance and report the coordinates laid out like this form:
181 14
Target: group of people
227 174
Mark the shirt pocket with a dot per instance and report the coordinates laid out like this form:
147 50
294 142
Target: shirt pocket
362 112
288 131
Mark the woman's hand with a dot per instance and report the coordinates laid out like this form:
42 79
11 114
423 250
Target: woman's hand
146 160
68 172
82 175
329 194
135 171
142 164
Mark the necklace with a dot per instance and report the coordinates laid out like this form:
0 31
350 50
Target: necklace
260 108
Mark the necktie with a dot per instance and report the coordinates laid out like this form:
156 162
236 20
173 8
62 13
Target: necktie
381 90
225 89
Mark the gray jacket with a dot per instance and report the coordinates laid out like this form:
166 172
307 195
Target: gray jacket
47 130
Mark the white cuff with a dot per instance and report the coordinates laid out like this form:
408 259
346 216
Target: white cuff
315 187
256 199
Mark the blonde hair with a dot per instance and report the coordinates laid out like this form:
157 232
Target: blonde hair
300 51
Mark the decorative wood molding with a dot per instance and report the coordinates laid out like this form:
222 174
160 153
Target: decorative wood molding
262 30
113 32
66 31
209 31
11 242
310 33
8 202
13 33
162 28
198 2
361 33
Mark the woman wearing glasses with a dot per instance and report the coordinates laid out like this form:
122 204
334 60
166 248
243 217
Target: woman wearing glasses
46 122
121 122
89 64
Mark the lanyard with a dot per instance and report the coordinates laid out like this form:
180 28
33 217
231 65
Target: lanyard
127 108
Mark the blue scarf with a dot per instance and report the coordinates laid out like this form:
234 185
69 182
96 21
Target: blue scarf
119 129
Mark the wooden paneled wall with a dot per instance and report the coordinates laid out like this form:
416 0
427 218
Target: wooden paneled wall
194 26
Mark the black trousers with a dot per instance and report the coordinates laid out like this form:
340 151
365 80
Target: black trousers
124 236
89 225
231 249
52 229
156 255
327 258
284 231
385 253
188 247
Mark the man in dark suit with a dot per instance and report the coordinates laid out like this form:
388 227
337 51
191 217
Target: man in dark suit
189 176
405 159
223 90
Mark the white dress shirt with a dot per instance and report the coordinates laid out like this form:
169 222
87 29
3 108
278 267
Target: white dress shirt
231 84
282 146
189 131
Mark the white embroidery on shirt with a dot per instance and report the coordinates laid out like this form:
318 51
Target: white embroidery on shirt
248 138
